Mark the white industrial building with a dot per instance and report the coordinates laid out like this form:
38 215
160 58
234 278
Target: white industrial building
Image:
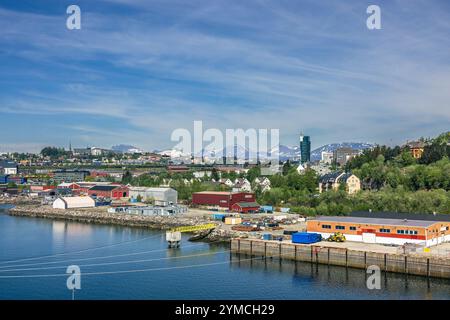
160 196
150 210
8 167
73 202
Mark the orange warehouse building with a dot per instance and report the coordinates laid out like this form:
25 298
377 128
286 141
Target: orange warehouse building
380 230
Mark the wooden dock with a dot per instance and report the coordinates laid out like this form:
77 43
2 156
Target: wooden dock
428 266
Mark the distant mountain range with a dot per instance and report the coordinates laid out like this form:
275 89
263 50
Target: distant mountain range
285 152
316 154
125 148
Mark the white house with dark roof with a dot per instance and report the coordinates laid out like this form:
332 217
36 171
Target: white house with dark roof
332 181
8 167
242 185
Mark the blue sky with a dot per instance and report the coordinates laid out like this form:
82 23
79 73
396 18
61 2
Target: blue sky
139 69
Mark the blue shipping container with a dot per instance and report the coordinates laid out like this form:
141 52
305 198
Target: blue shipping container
305 237
267 236
266 209
217 216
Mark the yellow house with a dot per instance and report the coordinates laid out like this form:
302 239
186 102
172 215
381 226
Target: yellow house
416 148
332 181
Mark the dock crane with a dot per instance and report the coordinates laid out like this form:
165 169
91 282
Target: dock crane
173 236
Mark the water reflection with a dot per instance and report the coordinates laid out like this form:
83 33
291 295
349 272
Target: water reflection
350 279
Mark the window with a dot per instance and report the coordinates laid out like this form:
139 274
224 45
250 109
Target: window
340 228
326 226
400 231
385 230
415 232
353 228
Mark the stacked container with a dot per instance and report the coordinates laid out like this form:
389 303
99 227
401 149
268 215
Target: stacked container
305 237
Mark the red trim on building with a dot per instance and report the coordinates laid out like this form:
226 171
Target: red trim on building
222 199
395 235
237 208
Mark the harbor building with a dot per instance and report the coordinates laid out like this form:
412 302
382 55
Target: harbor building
73 202
60 176
159 196
245 207
416 148
222 199
382 230
109 191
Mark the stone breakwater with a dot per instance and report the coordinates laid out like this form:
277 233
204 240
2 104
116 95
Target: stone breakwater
100 216
20 200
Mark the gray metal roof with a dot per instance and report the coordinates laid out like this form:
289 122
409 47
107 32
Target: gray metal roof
7 164
401 215
330 177
377 221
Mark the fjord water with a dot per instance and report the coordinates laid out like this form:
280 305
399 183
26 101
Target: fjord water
133 263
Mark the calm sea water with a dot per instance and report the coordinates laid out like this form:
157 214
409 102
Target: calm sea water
131 263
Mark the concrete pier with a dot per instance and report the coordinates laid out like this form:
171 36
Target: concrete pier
431 266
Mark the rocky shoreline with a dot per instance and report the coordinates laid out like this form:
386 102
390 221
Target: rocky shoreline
97 216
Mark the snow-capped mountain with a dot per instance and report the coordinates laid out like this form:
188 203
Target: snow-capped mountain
173 153
284 152
289 153
125 148
316 154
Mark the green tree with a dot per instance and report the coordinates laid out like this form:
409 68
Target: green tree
253 173
215 174
127 177
53 152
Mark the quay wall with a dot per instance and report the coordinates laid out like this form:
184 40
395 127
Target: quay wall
429 266
103 217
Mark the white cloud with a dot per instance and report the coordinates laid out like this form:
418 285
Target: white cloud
231 65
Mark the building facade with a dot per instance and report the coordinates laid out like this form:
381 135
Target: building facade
332 181
326 157
305 149
160 196
60 176
223 199
342 155
109 191
73 202
8 167
383 231
245 207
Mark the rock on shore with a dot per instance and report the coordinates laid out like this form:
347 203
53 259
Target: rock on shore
101 216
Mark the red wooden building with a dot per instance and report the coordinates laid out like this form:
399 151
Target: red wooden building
177 169
109 191
100 174
245 207
41 188
222 199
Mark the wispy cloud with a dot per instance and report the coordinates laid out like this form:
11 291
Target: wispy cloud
292 65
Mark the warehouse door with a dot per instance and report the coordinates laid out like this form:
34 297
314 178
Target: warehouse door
369 237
